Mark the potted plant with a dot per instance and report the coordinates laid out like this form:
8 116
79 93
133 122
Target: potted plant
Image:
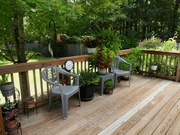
9 113
108 87
29 102
91 44
102 59
7 88
154 64
87 81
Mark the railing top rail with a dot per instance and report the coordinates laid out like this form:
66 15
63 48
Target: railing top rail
162 53
22 67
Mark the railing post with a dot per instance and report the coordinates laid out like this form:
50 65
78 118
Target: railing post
2 131
178 70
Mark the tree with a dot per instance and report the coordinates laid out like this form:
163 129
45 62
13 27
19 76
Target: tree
24 20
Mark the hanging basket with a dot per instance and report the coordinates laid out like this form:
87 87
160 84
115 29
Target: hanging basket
7 89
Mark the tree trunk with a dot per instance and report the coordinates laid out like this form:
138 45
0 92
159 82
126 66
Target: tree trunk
19 41
18 35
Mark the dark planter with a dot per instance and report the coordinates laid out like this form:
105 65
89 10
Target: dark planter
7 89
87 93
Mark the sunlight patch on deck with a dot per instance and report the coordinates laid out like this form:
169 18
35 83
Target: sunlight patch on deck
111 128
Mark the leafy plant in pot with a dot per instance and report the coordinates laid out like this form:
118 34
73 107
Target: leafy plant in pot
7 88
29 102
102 59
91 44
9 113
88 80
108 87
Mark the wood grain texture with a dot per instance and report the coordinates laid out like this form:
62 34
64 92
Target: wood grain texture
158 116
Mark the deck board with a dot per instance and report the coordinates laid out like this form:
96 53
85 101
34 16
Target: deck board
149 105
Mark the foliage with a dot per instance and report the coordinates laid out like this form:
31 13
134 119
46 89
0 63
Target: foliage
155 62
127 43
29 98
9 111
92 43
157 44
134 59
102 58
88 78
4 79
169 45
152 43
108 83
110 39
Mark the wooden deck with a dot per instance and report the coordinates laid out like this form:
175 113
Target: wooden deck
148 106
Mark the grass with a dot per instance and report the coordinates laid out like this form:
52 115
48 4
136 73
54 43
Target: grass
4 62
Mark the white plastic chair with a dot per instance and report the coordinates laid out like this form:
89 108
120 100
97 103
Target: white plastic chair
118 72
51 75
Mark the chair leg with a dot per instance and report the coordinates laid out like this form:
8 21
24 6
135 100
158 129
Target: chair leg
79 98
64 107
115 80
49 103
129 80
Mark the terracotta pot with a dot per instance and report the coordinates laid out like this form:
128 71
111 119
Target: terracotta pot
29 103
11 124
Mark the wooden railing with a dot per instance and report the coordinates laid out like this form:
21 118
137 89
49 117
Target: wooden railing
36 86
169 68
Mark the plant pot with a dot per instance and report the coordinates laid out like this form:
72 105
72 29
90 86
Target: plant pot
11 124
154 67
108 90
87 93
91 50
102 71
7 89
29 103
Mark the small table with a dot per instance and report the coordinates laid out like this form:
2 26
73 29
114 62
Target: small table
104 78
